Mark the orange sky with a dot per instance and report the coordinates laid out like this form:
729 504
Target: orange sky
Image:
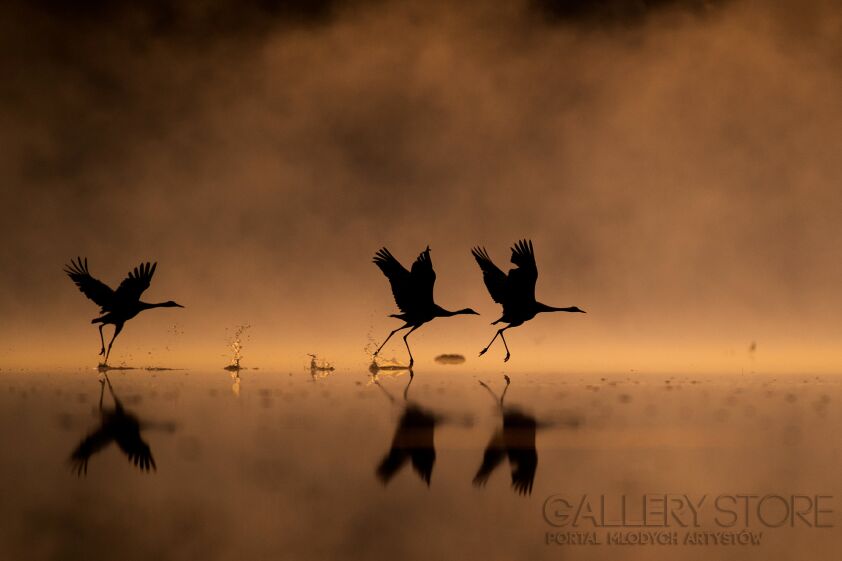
677 170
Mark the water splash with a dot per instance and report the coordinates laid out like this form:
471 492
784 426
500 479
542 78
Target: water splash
236 346
319 368
235 385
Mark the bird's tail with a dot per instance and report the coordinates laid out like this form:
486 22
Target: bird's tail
100 319
399 316
497 321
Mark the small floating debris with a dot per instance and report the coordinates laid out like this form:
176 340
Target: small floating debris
450 359
320 365
374 368
105 368
319 368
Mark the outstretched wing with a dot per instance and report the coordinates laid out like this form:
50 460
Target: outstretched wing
94 289
398 277
524 464
89 446
494 454
391 464
136 282
495 279
522 279
412 290
423 279
138 451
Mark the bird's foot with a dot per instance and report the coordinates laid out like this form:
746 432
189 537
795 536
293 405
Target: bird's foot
411 362
507 357
102 352
482 352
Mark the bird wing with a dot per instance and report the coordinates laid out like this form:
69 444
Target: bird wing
524 464
423 460
89 446
136 282
94 289
423 279
136 449
399 278
495 279
494 454
522 279
391 464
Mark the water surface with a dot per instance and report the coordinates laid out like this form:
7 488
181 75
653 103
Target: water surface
342 465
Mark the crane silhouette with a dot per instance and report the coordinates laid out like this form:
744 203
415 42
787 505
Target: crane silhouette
515 440
117 306
414 440
413 292
116 425
515 291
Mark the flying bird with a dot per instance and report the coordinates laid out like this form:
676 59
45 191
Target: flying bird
117 306
515 291
413 292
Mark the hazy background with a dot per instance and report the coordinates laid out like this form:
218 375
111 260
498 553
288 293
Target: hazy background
676 164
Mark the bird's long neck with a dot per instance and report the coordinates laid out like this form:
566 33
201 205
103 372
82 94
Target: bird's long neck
544 308
150 305
441 312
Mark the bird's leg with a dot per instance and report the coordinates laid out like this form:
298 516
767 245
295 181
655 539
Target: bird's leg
385 391
389 337
117 329
503 396
490 391
101 339
117 403
488 346
502 338
406 389
101 392
405 342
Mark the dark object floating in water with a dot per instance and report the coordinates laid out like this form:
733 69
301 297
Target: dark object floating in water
374 368
233 368
317 365
450 359
106 368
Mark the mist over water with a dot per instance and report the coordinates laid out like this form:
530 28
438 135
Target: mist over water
675 166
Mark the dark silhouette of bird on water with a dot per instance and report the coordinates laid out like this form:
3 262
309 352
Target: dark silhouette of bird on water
116 425
413 442
515 291
515 440
117 306
413 291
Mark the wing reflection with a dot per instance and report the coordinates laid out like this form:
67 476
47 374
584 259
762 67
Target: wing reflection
515 440
413 441
115 425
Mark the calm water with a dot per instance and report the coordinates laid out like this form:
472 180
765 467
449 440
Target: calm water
277 465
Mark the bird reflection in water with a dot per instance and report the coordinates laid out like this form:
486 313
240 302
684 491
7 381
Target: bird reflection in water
515 440
116 425
413 440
